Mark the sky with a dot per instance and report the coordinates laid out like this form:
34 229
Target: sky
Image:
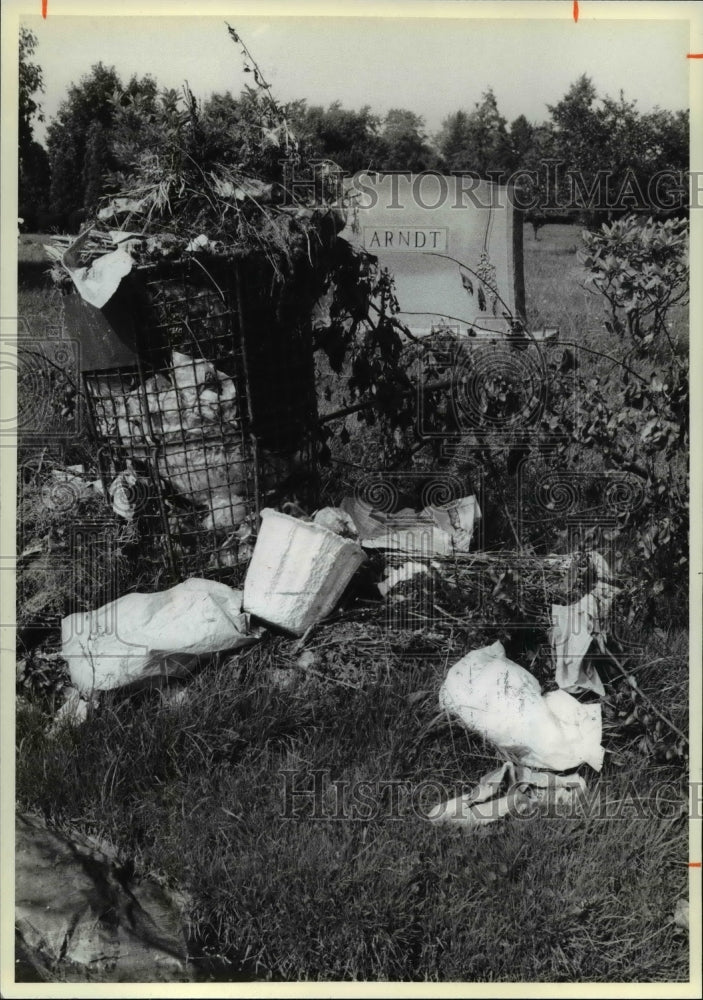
431 66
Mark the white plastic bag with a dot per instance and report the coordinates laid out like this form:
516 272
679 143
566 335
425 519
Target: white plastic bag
503 702
139 637
98 282
574 627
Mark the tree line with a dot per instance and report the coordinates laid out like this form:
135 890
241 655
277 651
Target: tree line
589 149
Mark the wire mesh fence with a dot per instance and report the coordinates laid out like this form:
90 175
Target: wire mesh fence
212 417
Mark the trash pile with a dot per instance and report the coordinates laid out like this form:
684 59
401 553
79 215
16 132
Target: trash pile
183 425
199 388
190 293
205 287
197 398
188 413
299 569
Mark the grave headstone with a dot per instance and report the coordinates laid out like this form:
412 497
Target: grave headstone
452 243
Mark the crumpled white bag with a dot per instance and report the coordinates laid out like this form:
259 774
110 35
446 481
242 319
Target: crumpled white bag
140 637
503 702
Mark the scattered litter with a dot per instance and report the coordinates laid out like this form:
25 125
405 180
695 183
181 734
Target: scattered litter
73 712
573 630
503 702
140 637
508 791
306 660
364 517
321 312
246 540
74 484
435 530
421 536
173 697
125 490
201 242
298 572
338 521
246 187
396 575
98 282
121 206
457 516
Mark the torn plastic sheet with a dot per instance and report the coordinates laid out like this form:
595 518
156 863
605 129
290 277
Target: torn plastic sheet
140 637
98 282
77 919
122 206
574 628
503 702
508 791
435 530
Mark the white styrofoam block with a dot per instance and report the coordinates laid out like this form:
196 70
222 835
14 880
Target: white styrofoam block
298 572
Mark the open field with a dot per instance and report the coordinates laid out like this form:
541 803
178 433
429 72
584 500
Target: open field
234 793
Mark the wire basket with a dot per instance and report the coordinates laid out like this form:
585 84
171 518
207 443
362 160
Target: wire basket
207 411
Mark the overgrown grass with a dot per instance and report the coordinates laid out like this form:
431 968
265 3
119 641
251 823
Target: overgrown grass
196 792
556 295
237 795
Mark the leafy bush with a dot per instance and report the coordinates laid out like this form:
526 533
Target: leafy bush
634 417
642 271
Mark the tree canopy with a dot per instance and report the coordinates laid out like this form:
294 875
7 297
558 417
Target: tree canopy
33 163
104 129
